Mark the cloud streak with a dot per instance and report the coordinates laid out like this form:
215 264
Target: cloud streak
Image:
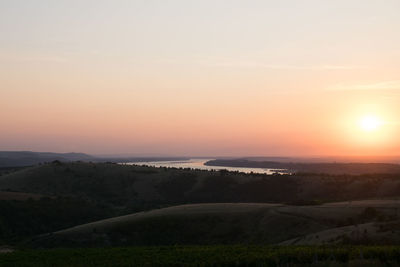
38 58
252 64
383 85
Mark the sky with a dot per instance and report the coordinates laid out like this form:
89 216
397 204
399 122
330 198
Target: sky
200 78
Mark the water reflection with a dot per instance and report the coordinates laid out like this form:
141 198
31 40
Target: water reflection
199 164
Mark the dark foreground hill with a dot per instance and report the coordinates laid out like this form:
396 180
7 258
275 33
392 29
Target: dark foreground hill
366 222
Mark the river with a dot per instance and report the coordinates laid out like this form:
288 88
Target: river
199 164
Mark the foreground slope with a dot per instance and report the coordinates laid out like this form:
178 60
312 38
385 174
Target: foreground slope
227 223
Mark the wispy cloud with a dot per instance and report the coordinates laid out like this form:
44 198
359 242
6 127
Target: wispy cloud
340 67
39 58
251 64
383 85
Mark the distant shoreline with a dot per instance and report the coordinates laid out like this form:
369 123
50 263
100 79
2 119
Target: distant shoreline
329 168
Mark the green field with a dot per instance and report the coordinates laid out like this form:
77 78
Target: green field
208 256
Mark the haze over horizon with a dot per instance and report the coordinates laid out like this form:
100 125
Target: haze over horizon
215 78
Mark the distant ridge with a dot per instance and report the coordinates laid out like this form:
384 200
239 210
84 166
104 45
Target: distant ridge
28 158
337 168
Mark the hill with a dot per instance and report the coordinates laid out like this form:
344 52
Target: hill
29 158
120 184
34 196
13 159
137 188
237 223
4 195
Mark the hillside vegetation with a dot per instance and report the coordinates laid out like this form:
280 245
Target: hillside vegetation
23 219
229 223
139 188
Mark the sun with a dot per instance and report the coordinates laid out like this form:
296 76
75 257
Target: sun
370 123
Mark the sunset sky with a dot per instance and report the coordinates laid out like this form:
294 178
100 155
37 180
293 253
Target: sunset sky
201 78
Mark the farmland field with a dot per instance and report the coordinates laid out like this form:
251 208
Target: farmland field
208 256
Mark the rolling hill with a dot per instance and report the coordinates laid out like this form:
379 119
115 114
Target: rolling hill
29 158
136 188
239 223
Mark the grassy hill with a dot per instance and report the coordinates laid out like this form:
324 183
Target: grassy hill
4 195
21 219
238 223
140 188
